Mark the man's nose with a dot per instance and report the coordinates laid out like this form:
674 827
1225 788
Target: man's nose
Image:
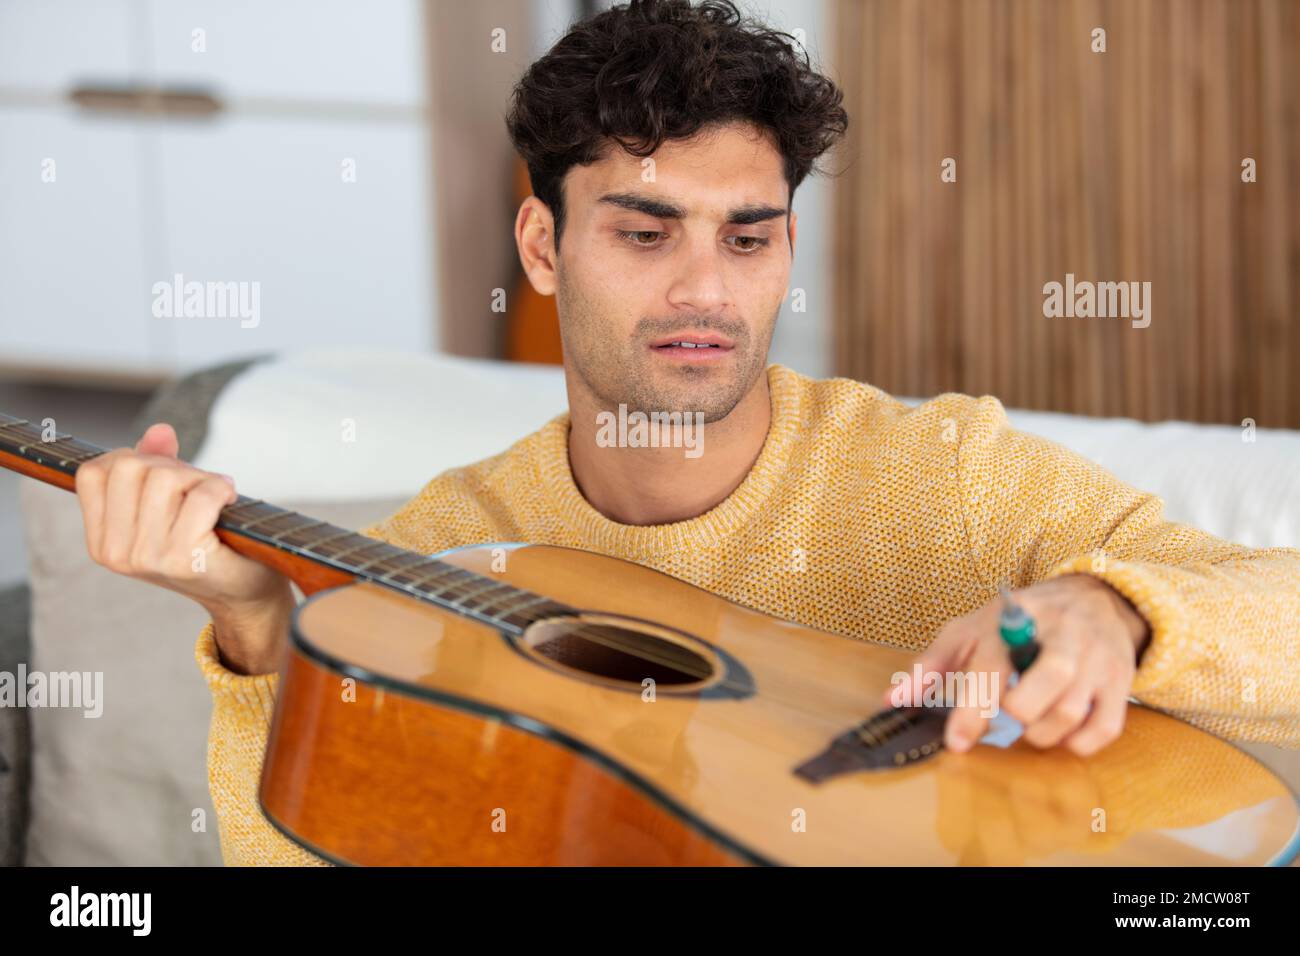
700 281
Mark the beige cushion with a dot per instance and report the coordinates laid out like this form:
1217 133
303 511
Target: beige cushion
121 789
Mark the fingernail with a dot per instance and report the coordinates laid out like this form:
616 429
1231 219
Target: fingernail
230 478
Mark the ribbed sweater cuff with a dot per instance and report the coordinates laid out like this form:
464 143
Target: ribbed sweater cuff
252 693
1155 598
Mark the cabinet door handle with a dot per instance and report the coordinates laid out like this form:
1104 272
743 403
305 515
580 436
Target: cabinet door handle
147 100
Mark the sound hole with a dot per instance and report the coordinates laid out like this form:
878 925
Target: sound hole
618 649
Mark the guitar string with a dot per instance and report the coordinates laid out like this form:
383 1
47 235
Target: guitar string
449 593
889 720
892 719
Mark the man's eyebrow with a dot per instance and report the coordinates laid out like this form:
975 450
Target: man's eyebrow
755 212
663 209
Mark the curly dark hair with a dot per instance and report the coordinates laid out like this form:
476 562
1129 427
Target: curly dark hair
654 70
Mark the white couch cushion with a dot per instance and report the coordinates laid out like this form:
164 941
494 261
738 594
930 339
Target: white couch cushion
332 424
1248 492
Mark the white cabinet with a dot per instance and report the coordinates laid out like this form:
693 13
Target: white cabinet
46 46
73 265
336 260
312 181
340 51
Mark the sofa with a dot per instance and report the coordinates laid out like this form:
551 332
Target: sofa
347 436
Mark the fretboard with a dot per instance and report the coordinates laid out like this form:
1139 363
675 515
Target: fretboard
473 595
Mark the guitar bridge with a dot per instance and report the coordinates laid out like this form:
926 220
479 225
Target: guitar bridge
894 737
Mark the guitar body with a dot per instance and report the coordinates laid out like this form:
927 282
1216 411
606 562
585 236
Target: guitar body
665 726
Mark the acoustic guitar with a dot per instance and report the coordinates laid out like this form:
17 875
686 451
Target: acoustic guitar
534 705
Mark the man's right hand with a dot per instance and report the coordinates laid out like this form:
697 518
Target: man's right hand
151 516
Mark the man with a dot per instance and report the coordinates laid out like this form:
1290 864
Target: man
665 143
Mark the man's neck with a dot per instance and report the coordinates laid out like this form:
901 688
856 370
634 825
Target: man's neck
644 486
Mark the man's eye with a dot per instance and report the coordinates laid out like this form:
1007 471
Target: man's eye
634 236
755 243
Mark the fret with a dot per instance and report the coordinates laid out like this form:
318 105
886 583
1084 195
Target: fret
410 557
36 435
286 537
377 559
458 600
281 524
351 541
278 513
248 514
408 576
61 451
492 606
25 436
312 547
78 445
438 569
477 588
442 583
28 433
473 600
366 545
445 570
81 459
253 508
233 510
506 610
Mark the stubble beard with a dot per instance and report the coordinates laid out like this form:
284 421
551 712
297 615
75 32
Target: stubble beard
624 371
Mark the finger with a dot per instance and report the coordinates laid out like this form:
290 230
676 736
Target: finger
121 506
1071 708
91 483
160 503
969 719
201 508
1055 669
948 651
1110 709
159 439
1065 716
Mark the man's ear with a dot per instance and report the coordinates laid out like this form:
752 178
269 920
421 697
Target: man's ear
534 232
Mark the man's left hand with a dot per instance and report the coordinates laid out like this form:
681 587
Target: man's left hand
1077 690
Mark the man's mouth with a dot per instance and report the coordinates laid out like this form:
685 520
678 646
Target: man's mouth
703 346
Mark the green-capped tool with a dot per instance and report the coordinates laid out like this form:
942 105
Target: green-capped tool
1017 630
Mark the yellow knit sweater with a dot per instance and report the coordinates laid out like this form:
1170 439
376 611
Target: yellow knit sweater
867 517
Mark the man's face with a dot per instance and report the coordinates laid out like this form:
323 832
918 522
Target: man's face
699 256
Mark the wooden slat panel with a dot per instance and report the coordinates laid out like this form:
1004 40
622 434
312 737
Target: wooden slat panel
1122 166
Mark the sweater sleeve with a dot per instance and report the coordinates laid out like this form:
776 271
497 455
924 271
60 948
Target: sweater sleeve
242 707
1224 653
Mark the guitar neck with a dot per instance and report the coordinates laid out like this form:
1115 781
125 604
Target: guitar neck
313 554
